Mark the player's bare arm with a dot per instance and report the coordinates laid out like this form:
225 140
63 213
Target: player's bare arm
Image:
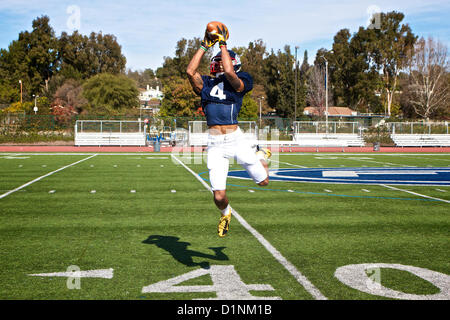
194 76
228 69
227 64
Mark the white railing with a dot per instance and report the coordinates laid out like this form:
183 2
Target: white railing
110 133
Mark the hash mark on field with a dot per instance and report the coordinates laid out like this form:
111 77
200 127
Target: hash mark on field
290 191
251 191
133 191
440 190
326 190
52 191
93 191
173 191
365 190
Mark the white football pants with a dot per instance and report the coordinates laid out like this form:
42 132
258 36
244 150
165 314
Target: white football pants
234 146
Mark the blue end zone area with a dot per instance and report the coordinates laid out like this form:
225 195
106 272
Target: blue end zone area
397 176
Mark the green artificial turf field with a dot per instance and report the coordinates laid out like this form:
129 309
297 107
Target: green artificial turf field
143 227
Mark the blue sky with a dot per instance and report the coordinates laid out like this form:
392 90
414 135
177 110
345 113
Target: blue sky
148 30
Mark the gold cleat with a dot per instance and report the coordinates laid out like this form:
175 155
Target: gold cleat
224 225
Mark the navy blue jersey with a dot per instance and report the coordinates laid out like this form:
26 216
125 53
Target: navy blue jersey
220 102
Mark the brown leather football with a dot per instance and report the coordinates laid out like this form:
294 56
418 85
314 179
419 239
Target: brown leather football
213 28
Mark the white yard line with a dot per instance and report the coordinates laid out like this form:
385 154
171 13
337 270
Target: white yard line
429 158
382 162
42 177
414 193
289 164
275 253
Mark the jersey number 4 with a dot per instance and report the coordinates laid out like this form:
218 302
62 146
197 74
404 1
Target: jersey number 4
217 91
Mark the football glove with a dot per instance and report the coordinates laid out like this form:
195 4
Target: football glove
208 42
222 35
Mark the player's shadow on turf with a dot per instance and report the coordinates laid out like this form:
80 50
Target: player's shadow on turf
181 253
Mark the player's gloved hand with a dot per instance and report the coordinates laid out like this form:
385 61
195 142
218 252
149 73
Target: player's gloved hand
222 36
208 42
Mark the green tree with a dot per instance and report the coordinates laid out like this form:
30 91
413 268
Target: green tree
351 80
389 51
302 83
249 108
252 59
279 72
110 94
8 94
33 58
82 57
179 99
184 51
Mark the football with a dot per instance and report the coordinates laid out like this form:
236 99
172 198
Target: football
212 29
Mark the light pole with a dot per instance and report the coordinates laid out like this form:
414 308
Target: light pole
260 98
35 109
326 94
295 93
20 81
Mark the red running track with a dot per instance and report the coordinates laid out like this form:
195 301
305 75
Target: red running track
96 149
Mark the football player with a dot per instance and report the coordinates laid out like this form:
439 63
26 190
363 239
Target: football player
221 99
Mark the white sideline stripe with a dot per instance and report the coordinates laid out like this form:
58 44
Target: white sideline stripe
44 176
275 253
414 193
442 154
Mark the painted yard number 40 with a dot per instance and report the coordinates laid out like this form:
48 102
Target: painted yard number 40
228 285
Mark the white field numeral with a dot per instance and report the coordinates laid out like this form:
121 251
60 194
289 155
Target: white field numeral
226 283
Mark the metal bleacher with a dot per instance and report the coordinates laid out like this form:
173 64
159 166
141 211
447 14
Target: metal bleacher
328 134
328 140
420 134
109 133
421 140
